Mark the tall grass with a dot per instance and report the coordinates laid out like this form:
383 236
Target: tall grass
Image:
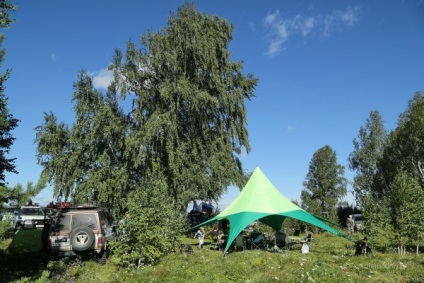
332 259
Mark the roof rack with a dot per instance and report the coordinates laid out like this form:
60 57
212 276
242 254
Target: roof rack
68 205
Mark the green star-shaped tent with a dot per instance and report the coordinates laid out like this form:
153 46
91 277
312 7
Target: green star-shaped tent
260 200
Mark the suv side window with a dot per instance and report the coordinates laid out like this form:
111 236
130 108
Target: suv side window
87 220
106 221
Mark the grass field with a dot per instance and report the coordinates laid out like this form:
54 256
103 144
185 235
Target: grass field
332 259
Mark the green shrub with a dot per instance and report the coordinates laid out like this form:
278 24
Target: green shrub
5 230
152 226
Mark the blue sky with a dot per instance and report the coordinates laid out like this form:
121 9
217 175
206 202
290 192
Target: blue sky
323 66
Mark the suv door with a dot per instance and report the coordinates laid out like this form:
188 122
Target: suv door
60 235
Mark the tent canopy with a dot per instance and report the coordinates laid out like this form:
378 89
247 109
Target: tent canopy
260 200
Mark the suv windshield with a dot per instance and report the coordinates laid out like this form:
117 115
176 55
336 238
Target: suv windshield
31 211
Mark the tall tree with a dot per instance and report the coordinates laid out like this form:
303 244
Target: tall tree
89 155
400 173
407 201
325 183
368 150
405 145
398 182
187 120
181 139
189 113
7 122
410 137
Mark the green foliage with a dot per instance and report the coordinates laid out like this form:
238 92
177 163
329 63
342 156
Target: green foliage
181 139
5 229
409 142
324 184
189 104
397 188
405 145
21 195
331 259
368 150
408 206
7 122
187 117
151 227
378 227
291 224
390 178
90 155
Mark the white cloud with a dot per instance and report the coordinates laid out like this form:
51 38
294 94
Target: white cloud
270 18
337 19
350 15
289 129
303 25
102 78
279 32
279 29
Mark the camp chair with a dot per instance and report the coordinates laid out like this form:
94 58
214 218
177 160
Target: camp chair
296 233
257 240
239 243
282 240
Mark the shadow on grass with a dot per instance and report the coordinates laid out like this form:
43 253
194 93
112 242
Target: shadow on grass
24 257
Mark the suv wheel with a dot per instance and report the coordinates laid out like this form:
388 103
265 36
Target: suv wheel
82 238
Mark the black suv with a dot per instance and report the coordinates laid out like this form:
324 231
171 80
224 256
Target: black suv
81 230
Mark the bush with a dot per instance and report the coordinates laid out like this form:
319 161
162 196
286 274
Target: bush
151 227
5 230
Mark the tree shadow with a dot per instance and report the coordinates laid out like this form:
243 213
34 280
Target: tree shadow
24 257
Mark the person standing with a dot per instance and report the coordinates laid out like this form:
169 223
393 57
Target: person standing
215 233
200 234
350 225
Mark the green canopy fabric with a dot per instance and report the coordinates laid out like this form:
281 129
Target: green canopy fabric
260 200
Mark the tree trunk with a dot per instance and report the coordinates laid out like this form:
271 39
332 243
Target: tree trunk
421 170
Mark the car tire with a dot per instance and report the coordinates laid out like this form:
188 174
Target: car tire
82 238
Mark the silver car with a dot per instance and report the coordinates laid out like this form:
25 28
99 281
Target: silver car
29 217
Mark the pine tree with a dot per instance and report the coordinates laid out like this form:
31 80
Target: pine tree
7 122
